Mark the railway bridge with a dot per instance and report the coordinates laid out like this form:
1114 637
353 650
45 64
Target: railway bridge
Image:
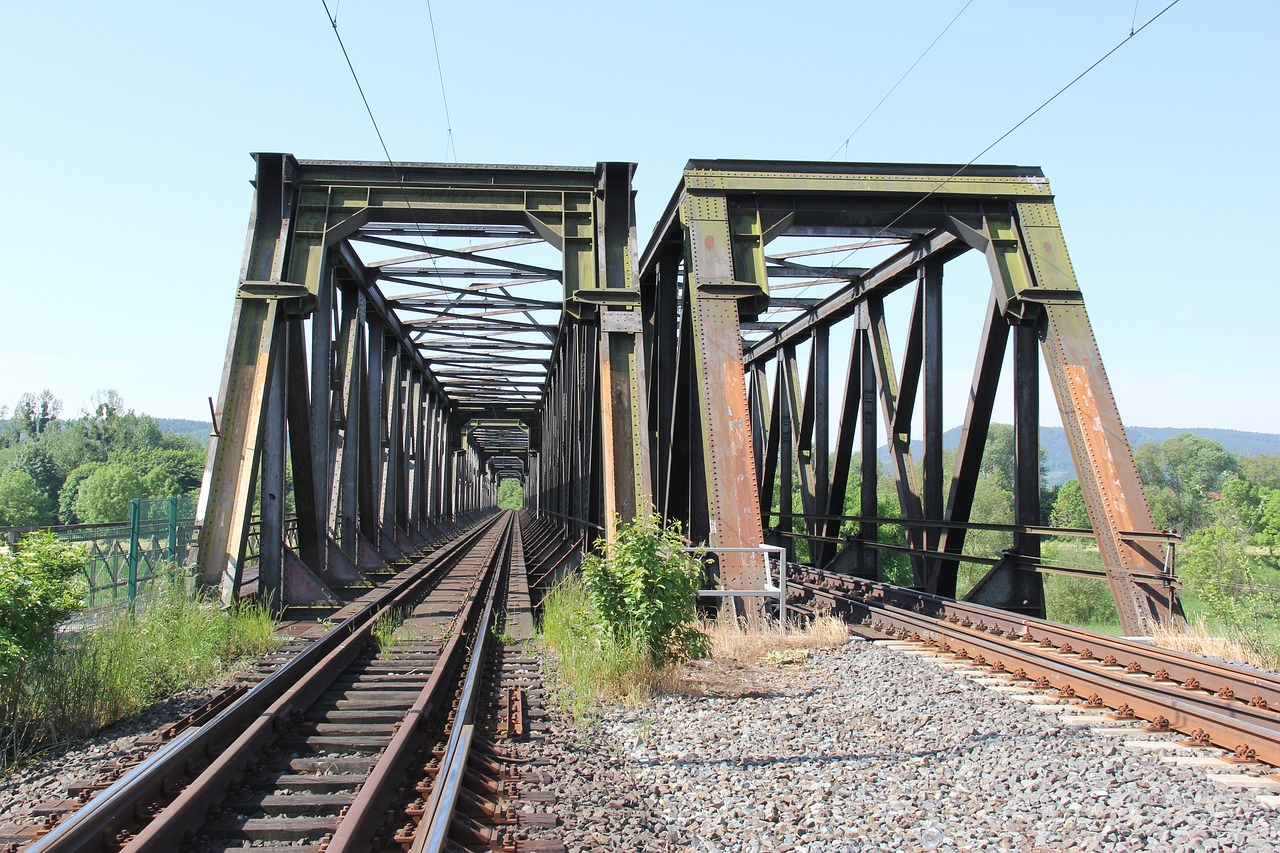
406 336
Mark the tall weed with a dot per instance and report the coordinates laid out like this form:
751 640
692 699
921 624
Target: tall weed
88 679
594 665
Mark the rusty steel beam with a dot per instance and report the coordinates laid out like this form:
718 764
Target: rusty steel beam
726 212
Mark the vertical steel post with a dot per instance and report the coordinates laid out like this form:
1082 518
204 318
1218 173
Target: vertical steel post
173 531
271 493
135 520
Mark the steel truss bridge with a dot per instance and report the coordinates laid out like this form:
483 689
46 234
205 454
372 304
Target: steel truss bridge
406 336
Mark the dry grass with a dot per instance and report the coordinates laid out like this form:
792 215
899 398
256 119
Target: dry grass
1199 639
734 641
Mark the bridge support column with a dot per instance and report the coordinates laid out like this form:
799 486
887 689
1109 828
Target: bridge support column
728 458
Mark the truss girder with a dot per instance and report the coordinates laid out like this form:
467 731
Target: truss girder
754 443
404 369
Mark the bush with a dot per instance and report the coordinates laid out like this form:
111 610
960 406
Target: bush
645 588
38 590
592 666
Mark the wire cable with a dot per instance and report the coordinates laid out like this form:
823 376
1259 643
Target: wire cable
449 147
333 21
1005 135
868 116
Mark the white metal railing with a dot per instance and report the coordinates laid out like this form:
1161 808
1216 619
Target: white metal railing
770 589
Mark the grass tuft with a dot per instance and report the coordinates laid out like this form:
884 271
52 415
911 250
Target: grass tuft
594 666
1200 638
91 678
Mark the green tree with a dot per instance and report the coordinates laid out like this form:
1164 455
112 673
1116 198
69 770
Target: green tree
34 460
1069 508
22 502
8 431
71 490
1182 475
1268 531
1219 564
34 413
38 590
105 494
510 494
1262 469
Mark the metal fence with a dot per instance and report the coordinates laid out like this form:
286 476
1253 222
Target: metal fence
124 558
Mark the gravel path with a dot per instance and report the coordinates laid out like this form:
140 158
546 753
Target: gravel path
866 748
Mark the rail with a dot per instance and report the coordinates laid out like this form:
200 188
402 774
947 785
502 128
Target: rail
254 717
1232 707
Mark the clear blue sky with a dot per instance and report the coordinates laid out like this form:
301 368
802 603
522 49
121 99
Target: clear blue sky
127 128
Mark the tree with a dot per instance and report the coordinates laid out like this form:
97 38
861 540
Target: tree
1182 475
8 431
34 460
35 412
71 490
1218 563
1069 508
1262 469
510 494
22 502
1268 532
105 494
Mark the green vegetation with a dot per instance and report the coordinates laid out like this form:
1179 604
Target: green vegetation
38 590
86 470
55 686
629 617
645 586
592 667
510 494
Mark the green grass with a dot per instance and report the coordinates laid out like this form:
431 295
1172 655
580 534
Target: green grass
592 667
92 678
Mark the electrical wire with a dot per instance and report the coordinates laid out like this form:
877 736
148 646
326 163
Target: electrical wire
1007 133
449 147
333 22
845 145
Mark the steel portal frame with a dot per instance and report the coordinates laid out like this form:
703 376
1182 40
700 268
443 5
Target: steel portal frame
724 442
396 344
388 338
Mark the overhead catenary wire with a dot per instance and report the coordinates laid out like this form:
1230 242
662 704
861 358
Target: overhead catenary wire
396 174
1006 134
444 96
333 22
867 117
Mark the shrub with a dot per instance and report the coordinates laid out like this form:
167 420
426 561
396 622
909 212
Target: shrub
645 587
38 590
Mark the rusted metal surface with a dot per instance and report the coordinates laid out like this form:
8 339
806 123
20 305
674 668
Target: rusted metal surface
426 330
785 243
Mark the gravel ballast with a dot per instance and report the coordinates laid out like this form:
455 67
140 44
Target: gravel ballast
866 748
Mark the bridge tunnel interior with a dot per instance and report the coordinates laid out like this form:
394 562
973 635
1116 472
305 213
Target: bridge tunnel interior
405 336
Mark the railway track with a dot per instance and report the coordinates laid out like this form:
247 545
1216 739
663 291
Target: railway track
1235 708
380 735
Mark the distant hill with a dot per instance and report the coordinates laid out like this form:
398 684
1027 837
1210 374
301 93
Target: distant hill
199 430
1058 465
